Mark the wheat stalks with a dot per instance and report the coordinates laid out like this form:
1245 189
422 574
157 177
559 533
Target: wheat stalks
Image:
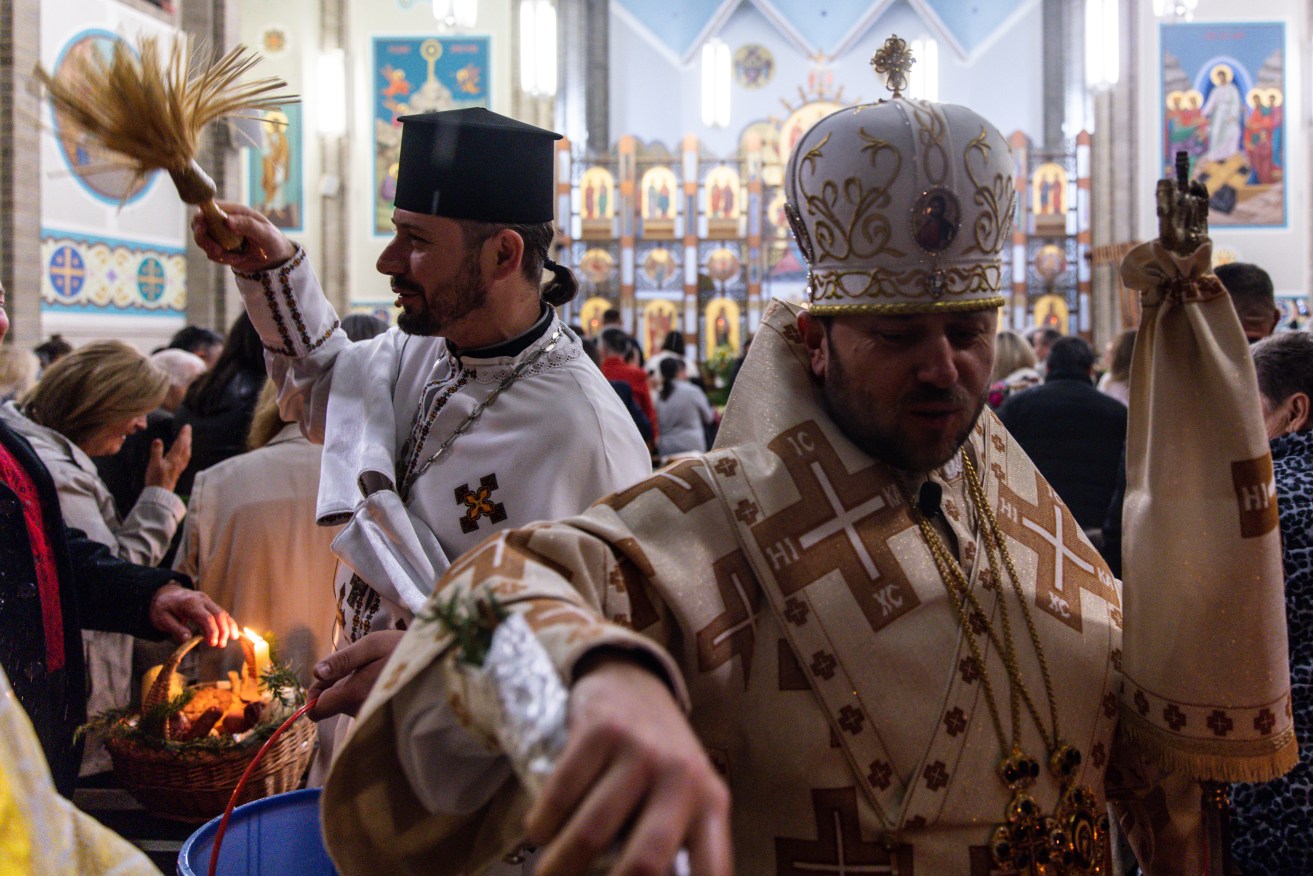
152 110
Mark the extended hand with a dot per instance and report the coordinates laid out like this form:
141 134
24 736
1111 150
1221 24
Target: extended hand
631 764
164 469
266 247
344 678
177 611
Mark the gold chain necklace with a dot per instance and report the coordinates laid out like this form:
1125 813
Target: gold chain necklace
1070 842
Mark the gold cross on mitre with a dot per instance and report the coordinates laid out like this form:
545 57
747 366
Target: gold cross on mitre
894 61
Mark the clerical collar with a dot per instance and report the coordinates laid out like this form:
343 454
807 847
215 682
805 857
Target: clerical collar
514 347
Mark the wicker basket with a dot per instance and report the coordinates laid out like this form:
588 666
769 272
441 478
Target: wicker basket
194 784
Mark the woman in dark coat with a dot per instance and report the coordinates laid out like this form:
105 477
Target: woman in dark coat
1272 823
54 581
219 403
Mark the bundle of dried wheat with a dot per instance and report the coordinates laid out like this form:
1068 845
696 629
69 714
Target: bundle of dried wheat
151 109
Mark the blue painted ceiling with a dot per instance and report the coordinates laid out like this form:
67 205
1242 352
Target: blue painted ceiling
822 24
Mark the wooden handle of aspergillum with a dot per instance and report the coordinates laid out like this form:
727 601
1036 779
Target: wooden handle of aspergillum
195 187
219 230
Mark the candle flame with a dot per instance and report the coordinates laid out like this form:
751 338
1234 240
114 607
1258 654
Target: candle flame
252 634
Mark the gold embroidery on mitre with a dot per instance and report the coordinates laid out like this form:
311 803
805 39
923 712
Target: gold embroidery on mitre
833 287
867 231
995 196
931 128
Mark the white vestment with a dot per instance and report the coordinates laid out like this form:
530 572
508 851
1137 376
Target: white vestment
552 442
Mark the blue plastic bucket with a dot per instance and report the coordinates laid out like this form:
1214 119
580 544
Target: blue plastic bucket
276 835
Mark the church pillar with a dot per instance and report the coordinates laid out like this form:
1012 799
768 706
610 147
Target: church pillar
335 243
212 298
1116 184
583 57
20 170
1055 28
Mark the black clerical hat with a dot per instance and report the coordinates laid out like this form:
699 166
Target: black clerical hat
476 164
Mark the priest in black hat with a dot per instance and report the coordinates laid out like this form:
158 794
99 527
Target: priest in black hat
477 413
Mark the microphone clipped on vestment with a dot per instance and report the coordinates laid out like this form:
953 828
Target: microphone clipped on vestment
927 501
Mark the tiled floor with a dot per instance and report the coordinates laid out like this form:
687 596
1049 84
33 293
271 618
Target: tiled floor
115 808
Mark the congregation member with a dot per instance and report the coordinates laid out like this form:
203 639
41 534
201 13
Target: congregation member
124 472
477 412
54 583
1041 339
219 404
683 412
885 657
1072 432
1116 381
1251 291
199 341
1272 823
1014 367
276 578
620 365
51 350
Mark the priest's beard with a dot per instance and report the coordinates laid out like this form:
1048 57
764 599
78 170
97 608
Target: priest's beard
881 427
446 302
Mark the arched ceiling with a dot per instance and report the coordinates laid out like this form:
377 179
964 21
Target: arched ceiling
825 27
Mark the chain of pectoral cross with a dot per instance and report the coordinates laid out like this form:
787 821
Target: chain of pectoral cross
414 471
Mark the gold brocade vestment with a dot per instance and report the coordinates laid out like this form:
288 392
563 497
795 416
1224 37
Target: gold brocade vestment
850 724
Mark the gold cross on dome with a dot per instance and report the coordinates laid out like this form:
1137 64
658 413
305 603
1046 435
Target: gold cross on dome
894 61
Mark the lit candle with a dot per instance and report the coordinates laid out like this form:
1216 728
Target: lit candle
257 654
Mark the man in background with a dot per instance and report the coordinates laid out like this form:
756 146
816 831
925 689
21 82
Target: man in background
1252 295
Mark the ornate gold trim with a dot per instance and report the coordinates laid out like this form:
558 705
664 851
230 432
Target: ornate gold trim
953 281
967 306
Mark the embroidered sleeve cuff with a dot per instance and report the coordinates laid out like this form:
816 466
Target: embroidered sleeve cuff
288 308
573 637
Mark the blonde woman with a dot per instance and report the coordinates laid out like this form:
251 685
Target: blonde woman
1014 367
85 405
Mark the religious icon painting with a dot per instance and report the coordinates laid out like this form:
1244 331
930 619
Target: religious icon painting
936 217
419 75
597 267
723 265
720 193
1051 311
274 167
597 207
720 329
764 138
1049 199
98 172
800 121
1050 262
1223 91
590 315
659 267
660 318
659 193
754 65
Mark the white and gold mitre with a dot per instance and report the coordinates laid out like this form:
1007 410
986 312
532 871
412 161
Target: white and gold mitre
901 206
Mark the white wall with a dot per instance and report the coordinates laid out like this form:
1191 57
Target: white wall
1282 252
655 97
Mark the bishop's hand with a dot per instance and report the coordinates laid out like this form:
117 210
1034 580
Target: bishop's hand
1182 211
634 774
